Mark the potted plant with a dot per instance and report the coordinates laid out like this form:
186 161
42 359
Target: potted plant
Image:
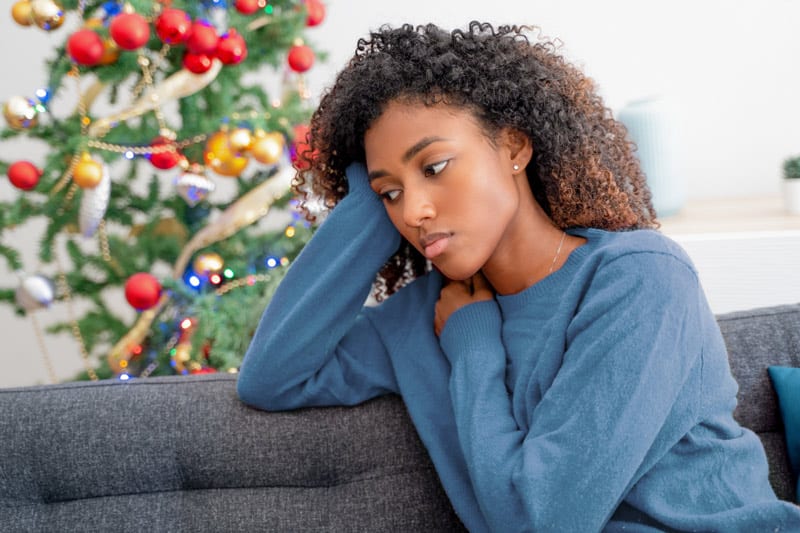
791 185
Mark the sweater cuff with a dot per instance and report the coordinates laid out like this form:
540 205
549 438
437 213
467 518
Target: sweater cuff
358 181
474 328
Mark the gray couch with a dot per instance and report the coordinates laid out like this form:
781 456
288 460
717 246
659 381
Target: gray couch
183 454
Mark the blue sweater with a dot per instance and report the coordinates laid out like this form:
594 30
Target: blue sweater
597 399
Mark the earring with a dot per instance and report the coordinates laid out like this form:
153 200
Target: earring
516 167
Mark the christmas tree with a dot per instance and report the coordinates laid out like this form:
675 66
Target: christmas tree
130 186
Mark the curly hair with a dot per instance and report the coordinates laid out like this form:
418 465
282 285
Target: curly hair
583 173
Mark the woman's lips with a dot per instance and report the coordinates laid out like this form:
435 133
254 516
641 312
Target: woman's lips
434 244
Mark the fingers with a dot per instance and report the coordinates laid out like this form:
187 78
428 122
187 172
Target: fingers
455 294
439 319
481 288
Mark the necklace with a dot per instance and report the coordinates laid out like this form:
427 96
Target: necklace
558 251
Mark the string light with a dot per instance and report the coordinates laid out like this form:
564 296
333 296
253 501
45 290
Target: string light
43 95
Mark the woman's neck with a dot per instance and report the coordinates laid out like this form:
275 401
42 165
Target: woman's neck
531 249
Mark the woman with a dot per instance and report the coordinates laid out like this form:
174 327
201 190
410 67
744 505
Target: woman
556 354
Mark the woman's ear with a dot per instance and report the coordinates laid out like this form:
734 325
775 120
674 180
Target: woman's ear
520 147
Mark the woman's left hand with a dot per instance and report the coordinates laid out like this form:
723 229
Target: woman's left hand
456 294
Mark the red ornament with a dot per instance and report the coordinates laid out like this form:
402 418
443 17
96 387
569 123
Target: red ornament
173 26
203 370
85 47
24 175
248 7
316 12
167 159
231 48
301 57
301 148
142 290
197 63
202 38
129 30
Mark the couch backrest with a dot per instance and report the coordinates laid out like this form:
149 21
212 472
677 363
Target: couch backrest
757 339
184 454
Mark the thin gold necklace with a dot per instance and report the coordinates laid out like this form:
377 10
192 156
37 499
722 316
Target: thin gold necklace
558 251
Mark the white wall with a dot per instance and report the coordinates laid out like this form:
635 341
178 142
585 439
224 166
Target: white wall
731 68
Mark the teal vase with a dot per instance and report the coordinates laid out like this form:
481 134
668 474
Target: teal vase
651 125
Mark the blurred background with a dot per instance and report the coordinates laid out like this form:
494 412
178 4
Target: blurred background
721 76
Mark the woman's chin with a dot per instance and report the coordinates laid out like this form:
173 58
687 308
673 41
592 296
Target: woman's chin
456 273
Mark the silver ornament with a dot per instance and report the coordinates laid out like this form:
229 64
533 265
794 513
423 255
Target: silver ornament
35 292
20 113
193 187
94 203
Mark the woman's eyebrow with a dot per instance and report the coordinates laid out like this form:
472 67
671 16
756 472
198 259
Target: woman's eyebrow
411 152
417 148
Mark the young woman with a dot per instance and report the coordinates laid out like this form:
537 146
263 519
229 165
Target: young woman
555 352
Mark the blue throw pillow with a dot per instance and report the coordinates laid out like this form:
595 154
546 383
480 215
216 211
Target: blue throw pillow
786 381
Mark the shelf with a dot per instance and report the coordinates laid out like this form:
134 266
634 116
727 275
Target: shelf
746 250
731 215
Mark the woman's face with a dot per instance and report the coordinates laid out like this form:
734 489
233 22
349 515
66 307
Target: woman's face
448 190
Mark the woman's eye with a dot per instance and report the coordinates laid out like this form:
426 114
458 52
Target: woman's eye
390 195
432 170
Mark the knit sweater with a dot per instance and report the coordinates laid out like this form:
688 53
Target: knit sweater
600 398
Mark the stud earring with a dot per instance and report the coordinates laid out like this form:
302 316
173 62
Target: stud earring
516 167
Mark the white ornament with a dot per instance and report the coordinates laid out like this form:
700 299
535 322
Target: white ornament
94 204
193 187
35 292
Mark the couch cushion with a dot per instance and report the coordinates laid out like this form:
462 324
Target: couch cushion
757 339
787 385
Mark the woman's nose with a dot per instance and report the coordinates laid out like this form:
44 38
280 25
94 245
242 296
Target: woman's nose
417 207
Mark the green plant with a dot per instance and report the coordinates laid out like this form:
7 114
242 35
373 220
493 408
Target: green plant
791 168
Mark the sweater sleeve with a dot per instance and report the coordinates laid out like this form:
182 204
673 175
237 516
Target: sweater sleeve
313 346
629 349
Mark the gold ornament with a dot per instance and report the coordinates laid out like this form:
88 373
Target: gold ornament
267 148
240 140
110 52
47 14
110 48
87 173
208 263
21 13
20 113
220 158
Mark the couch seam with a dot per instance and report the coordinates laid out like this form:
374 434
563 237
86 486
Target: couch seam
105 383
388 473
